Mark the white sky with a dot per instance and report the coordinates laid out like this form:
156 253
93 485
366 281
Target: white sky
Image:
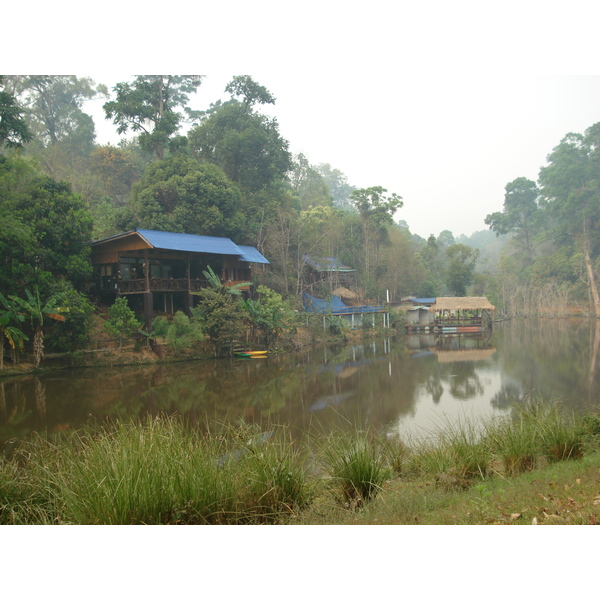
442 103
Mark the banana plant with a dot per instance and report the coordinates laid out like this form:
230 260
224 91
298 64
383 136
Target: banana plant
36 310
217 285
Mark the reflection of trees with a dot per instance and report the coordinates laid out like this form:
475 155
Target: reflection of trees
434 388
508 395
465 383
548 357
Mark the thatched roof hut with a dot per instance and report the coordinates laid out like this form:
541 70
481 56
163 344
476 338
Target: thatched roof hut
344 293
467 303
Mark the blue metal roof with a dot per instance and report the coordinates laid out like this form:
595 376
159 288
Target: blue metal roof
189 242
251 254
423 300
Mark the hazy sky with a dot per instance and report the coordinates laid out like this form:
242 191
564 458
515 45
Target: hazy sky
448 144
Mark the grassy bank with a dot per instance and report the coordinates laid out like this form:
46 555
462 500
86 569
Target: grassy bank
540 465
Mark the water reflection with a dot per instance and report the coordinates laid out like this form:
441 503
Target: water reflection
389 384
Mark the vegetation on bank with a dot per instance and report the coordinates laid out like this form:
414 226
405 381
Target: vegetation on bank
161 472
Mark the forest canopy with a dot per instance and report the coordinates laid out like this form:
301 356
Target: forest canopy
228 171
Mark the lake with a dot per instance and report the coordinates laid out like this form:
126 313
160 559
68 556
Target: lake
405 384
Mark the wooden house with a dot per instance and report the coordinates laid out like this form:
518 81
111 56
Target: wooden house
329 269
160 270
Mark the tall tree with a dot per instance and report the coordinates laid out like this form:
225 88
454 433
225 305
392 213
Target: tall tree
338 184
376 211
309 184
149 105
251 92
245 144
54 107
570 186
461 267
14 131
519 213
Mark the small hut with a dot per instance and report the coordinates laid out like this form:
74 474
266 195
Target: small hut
464 312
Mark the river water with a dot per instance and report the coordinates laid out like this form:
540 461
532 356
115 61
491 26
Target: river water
407 384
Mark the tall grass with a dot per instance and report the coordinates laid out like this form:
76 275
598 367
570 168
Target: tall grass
455 449
160 472
356 463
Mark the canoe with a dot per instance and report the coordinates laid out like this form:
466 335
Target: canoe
252 353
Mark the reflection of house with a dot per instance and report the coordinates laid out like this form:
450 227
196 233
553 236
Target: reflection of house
161 270
329 269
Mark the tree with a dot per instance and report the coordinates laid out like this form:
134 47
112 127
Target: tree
36 310
14 131
519 213
54 111
121 321
250 91
461 266
46 230
8 331
339 188
376 212
149 105
570 186
181 195
245 144
221 316
309 184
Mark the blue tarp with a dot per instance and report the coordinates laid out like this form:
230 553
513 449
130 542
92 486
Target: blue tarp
335 306
312 304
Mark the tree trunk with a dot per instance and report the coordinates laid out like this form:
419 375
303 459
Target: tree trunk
590 272
38 348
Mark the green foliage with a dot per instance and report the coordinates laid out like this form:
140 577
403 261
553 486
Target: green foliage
121 321
74 332
246 145
182 332
461 266
49 230
54 108
179 194
14 131
36 310
149 106
9 318
221 316
271 315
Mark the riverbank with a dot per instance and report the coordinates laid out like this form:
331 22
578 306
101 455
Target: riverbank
102 352
541 465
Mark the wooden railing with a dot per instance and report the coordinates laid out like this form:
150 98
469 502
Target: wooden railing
137 286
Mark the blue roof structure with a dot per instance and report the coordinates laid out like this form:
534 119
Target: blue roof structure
423 300
190 242
251 254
